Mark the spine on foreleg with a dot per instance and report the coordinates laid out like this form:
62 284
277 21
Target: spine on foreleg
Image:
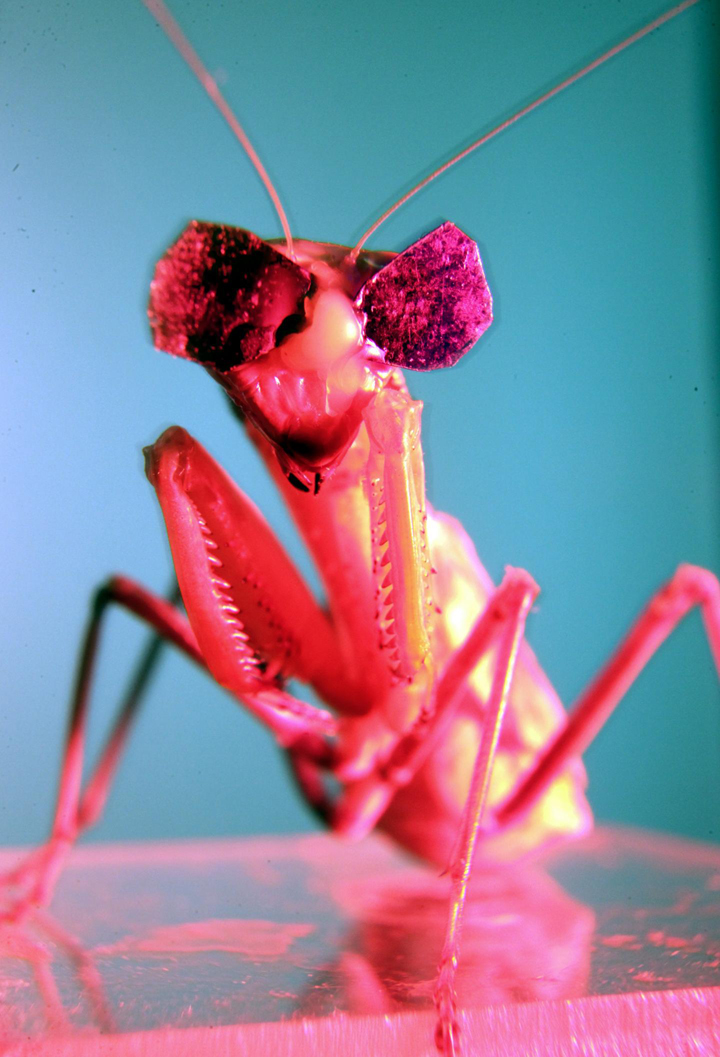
425 815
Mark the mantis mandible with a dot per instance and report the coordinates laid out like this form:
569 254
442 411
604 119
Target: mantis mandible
326 486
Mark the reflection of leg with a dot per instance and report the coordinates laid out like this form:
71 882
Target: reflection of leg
85 967
38 871
517 604
364 990
689 587
55 1015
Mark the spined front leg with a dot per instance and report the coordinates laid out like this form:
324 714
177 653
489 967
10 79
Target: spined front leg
368 798
255 620
249 659
403 611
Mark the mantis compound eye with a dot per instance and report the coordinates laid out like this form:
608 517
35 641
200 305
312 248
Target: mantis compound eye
430 304
220 294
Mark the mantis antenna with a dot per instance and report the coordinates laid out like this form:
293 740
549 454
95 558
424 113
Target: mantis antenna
172 30
521 113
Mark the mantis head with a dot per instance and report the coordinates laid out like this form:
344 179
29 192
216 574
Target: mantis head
303 343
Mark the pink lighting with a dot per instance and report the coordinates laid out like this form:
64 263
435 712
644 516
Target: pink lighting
310 945
429 719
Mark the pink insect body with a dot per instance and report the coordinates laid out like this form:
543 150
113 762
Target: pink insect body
440 727
339 431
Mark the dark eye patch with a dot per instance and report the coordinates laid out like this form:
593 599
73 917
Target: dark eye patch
430 304
220 294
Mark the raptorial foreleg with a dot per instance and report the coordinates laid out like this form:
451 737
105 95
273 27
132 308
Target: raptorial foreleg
364 801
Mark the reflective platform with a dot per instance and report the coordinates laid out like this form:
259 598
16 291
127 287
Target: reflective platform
295 946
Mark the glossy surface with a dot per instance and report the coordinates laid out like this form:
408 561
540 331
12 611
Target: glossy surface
201 935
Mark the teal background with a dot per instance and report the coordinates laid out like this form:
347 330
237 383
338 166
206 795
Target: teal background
579 440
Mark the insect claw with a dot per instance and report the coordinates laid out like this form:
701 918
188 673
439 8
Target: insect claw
447 1029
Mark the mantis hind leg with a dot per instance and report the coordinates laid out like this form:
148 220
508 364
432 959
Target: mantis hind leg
689 587
76 809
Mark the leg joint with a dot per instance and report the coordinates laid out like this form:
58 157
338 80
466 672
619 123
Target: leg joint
699 584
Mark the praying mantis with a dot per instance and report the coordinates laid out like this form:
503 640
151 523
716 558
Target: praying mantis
482 455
